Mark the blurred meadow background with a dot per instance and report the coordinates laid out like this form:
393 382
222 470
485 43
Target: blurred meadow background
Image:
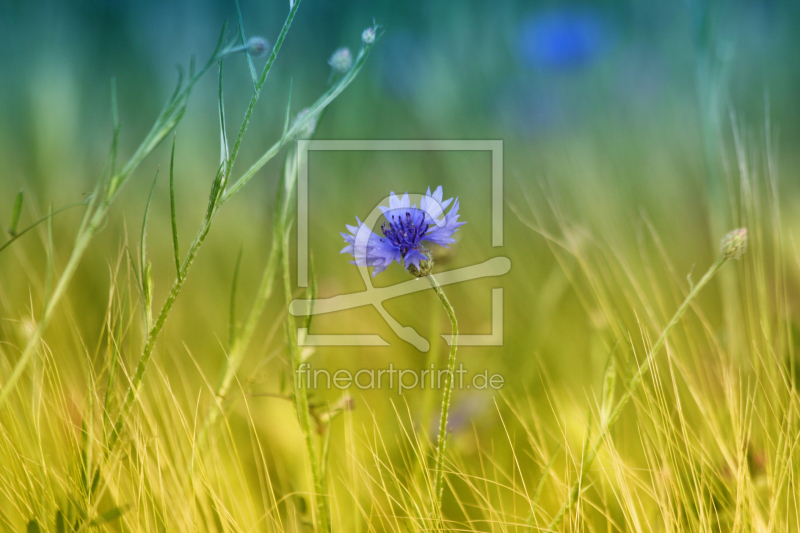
635 135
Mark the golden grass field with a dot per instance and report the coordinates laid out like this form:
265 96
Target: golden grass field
149 368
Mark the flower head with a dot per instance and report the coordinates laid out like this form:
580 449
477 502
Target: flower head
404 234
257 46
734 244
341 60
368 36
308 128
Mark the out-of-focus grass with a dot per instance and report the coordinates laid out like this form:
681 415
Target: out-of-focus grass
709 442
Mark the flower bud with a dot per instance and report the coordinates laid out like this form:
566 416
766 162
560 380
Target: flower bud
734 244
308 129
257 46
425 267
341 60
368 37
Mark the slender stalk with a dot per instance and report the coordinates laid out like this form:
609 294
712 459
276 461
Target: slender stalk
441 446
103 197
633 383
220 195
242 338
33 342
215 202
138 377
46 218
320 502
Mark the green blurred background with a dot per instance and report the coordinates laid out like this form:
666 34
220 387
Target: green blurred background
613 109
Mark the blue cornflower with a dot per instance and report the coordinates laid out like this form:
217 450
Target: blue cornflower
404 233
563 38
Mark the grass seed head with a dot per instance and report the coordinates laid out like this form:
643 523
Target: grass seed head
734 244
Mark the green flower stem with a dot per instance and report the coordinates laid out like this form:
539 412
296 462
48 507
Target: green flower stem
320 501
441 446
218 198
152 337
81 243
242 339
313 113
103 197
215 202
633 383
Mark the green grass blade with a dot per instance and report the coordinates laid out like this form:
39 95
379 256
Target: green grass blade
48 280
115 127
631 386
312 291
167 120
61 526
143 236
16 211
264 73
313 113
217 198
173 216
43 219
250 64
288 113
609 385
537 493
223 141
232 328
108 516
95 217
144 265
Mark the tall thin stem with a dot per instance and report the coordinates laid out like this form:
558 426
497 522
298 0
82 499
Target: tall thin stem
320 502
215 202
441 446
103 197
241 339
633 383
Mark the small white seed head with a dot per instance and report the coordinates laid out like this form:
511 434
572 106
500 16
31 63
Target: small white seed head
341 60
368 36
734 244
257 46
308 129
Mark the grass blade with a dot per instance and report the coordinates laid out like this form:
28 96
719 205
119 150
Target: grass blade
48 280
250 64
313 113
172 210
223 142
232 328
16 211
144 265
288 113
108 516
115 127
609 385
43 219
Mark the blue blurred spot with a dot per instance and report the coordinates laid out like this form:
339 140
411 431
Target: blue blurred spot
563 38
